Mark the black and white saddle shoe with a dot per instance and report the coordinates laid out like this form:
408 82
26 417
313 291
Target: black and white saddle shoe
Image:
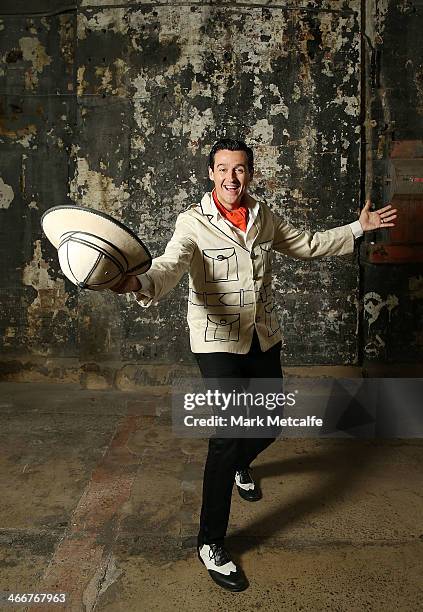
221 567
247 488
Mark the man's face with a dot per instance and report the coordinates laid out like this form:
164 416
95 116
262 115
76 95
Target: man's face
231 177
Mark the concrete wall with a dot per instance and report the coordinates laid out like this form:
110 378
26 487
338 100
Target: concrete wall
116 107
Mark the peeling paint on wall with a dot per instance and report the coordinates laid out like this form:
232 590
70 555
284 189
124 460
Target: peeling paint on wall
33 51
96 190
6 194
111 19
374 303
50 300
23 136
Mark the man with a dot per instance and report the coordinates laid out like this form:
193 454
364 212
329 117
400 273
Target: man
225 242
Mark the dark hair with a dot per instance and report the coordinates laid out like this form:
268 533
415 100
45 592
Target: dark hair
227 144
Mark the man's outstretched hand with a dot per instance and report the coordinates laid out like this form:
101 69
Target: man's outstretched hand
372 220
129 283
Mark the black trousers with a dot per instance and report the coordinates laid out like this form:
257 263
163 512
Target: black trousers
227 455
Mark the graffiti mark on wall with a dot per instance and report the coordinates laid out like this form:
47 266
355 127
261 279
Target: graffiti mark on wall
374 303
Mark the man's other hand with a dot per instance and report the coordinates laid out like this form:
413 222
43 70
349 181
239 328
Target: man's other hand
129 283
372 220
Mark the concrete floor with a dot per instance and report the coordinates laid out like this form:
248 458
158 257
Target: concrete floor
99 500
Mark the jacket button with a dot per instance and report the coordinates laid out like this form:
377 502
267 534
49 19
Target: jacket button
253 256
258 319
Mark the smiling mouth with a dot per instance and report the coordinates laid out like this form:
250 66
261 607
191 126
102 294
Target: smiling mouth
231 189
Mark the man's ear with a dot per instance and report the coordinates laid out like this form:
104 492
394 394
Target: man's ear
210 174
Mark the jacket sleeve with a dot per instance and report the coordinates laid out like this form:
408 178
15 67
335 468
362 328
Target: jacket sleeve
303 244
167 269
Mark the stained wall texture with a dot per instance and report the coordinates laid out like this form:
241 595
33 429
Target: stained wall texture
115 107
392 295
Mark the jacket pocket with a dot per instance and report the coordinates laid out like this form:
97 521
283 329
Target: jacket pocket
220 265
271 319
266 255
222 327
265 293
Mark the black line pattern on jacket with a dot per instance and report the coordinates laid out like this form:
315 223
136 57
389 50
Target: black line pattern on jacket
266 254
220 265
237 299
222 328
271 319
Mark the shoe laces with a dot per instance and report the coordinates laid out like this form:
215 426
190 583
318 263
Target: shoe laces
218 554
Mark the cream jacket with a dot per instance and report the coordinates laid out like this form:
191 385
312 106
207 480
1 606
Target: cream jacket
230 277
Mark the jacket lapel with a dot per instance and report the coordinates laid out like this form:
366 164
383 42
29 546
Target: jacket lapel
258 221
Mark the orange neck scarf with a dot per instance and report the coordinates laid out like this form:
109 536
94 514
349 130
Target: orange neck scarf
238 216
